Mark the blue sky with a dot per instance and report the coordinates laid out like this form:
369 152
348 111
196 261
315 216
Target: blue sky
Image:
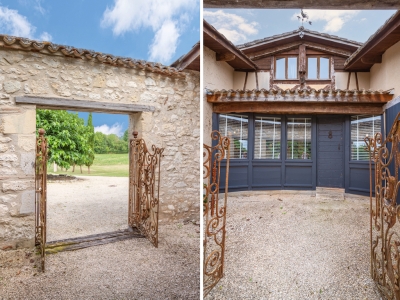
244 25
152 30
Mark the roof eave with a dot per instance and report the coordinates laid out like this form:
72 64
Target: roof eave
209 30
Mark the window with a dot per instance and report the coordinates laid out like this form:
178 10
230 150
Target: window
362 126
236 128
299 138
286 68
267 140
318 68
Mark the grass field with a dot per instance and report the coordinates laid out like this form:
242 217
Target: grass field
112 165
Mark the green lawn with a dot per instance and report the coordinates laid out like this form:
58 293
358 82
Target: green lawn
112 165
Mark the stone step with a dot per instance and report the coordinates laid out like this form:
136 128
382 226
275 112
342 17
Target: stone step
329 193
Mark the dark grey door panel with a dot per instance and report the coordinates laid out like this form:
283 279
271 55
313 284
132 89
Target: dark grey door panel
330 152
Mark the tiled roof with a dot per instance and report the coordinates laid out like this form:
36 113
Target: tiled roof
295 32
49 48
331 95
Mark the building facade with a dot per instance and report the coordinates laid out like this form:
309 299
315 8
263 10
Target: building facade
298 106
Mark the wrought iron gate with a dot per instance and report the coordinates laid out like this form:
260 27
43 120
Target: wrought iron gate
41 194
214 210
144 187
385 211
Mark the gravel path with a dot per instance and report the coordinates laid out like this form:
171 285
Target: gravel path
131 269
296 246
91 205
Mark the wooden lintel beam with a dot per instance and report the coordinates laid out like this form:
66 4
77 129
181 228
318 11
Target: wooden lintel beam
225 56
83 105
299 108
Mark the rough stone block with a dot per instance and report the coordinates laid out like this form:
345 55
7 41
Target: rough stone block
28 163
8 171
8 198
8 157
27 142
4 212
5 139
17 185
149 81
27 202
12 86
13 58
23 123
3 147
112 83
51 62
99 82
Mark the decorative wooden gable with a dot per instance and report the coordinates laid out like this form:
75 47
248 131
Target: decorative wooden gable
294 60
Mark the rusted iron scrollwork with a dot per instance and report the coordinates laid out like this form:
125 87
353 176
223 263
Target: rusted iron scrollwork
214 210
40 194
385 211
144 187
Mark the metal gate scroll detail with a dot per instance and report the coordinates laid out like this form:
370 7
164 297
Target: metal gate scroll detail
385 211
41 194
214 210
144 187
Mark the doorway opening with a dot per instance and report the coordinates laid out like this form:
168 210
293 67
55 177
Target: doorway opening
88 169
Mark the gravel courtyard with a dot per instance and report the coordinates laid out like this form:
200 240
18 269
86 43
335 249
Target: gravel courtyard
130 269
296 246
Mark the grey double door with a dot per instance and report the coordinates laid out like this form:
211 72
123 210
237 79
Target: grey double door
330 152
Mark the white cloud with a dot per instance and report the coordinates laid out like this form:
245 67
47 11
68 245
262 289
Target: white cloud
234 27
114 129
335 19
45 36
13 23
165 42
169 17
39 8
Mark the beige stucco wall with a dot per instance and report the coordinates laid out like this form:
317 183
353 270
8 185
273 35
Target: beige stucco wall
217 75
173 125
239 78
385 76
341 79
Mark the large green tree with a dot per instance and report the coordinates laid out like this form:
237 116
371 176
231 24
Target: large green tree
67 137
90 132
109 143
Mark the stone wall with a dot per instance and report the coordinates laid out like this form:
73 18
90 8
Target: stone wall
173 125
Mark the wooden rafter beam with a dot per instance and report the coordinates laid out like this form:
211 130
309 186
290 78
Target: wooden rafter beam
302 96
299 108
225 56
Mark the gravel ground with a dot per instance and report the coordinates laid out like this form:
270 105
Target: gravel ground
131 269
296 246
87 206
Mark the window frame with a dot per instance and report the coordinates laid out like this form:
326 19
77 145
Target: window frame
282 122
232 141
318 57
287 118
351 140
286 57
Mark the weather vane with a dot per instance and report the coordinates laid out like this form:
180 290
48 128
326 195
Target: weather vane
304 18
